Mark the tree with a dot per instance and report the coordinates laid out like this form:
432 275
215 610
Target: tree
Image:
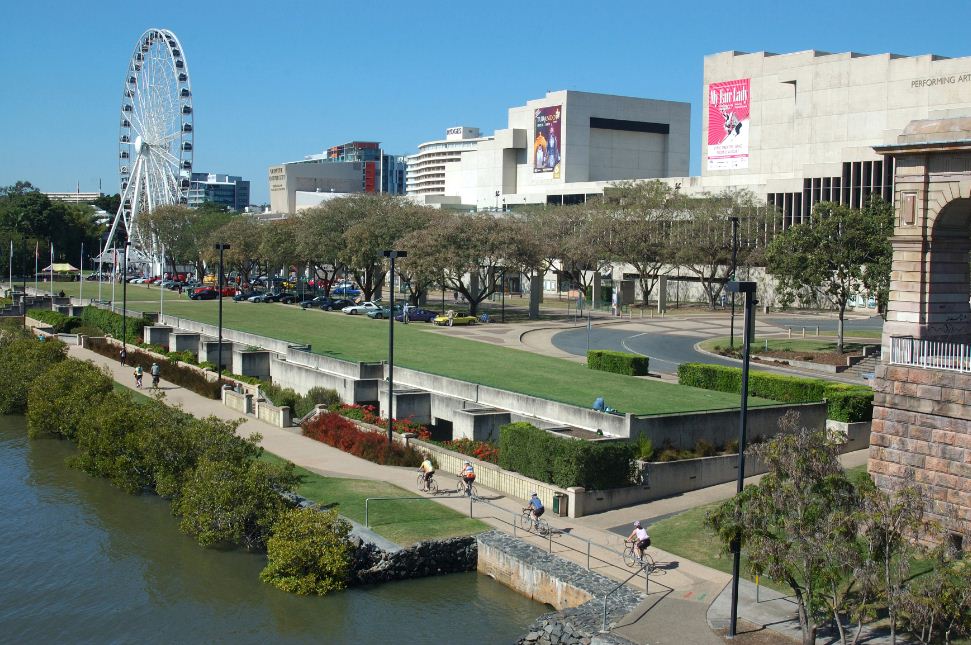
24 360
835 255
224 502
938 604
108 203
185 232
60 398
309 552
794 519
639 216
244 236
702 235
573 241
320 240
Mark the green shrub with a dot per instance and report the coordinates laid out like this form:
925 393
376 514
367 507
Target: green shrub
23 358
63 395
617 362
565 462
316 396
87 330
645 448
60 323
185 356
309 552
280 396
111 323
844 402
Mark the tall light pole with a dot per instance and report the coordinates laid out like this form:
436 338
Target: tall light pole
124 299
219 351
734 221
748 288
392 255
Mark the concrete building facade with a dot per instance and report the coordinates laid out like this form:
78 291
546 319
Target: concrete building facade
557 149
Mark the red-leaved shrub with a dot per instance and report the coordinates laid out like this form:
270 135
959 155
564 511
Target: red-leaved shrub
334 430
368 414
479 449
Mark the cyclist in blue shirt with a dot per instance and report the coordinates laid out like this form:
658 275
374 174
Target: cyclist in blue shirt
535 508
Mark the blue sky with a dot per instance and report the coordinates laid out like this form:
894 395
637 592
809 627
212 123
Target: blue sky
274 81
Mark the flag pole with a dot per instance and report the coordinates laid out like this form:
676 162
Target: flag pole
114 274
101 268
81 277
52 269
36 264
11 268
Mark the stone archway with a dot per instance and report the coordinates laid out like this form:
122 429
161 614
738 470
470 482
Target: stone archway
922 403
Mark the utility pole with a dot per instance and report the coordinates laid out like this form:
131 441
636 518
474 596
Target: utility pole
392 255
219 351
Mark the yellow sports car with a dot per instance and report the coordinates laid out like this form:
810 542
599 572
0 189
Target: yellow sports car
451 318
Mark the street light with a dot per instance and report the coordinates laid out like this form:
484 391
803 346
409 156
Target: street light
219 352
748 288
734 221
392 255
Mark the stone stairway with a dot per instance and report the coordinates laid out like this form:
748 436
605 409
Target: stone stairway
865 368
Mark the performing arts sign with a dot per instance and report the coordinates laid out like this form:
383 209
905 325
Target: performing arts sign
547 144
729 104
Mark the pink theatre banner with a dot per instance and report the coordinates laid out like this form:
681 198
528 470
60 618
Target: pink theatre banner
728 124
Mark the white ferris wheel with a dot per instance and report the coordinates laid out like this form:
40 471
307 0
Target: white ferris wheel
155 138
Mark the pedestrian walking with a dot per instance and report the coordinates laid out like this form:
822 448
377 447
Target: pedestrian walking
138 377
123 356
156 373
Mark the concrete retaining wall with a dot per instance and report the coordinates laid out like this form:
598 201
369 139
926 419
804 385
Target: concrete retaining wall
251 363
232 335
241 403
719 427
302 378
576 592
271 414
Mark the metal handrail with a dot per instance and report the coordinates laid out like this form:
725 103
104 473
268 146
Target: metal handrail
932 354
603 628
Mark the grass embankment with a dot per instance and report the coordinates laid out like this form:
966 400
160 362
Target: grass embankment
404 522
783 345
357 338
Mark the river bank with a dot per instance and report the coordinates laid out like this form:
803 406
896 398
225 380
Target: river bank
85 562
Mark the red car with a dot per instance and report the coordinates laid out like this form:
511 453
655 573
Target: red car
211 293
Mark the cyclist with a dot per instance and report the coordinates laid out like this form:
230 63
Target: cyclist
640 538
156 372
429 470
468 476
535 508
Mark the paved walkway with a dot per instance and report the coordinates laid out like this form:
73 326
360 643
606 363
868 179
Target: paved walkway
680 592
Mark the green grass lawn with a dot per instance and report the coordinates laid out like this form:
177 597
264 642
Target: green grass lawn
357 338
404 522
138 397
783 344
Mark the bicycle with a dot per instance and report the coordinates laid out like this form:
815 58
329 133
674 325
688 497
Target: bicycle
527 523
463 489
630 558
431 486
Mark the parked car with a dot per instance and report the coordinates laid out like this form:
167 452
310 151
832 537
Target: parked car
383 312
288 298
260 297
242 296
362 308
313 302
336 304
455 319
345 290
417 314
203 293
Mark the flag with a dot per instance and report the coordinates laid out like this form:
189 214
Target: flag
37 250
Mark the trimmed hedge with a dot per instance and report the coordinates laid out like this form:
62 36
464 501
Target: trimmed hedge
849 403
617 362
60 323
110 323
565 462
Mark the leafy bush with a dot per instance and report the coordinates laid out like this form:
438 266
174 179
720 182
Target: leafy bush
645 448
309 552
704 449
317 396
24 359
334 430
187 377
279 396
87 330
224 502
185 356
60 398
369 414
484 450
565 462
617 362
849 403
60 323
111 323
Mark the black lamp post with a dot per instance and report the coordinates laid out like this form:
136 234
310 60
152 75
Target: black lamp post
748 288
124 300
392 255
502 294
219 351
734 221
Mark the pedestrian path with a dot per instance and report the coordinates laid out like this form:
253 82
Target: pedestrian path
679 592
